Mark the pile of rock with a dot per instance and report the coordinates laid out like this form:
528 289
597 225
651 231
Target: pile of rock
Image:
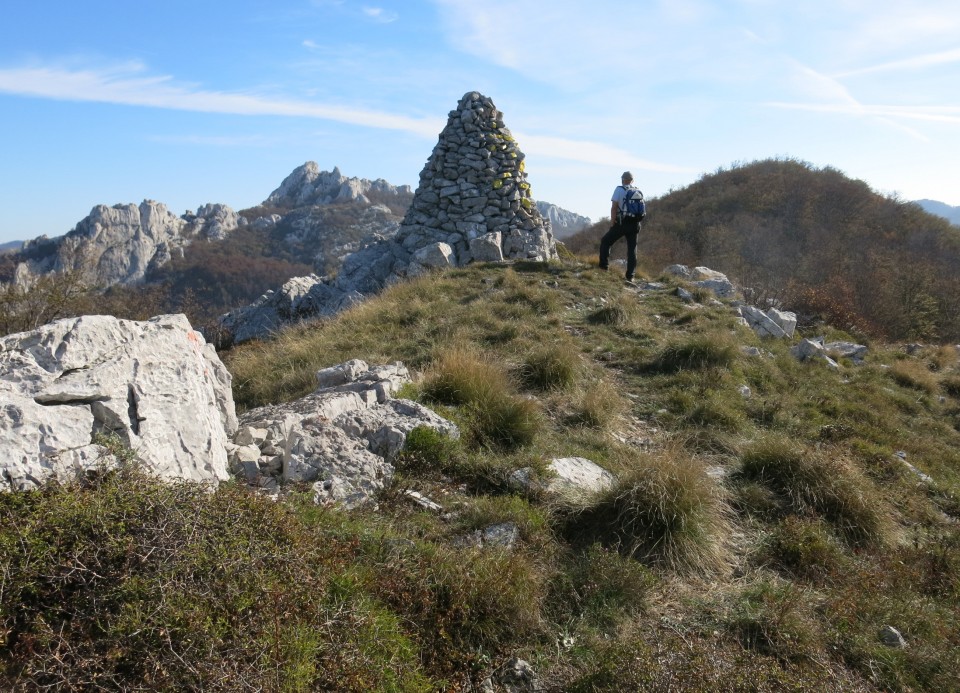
342 438
473 204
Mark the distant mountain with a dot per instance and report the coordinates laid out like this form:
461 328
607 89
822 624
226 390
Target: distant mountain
10 246
563 223
941 209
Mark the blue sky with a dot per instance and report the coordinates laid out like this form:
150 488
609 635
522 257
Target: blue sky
106 102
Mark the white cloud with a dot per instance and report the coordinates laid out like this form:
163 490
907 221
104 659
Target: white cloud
311 45
916 62
590 153
378 14
128 86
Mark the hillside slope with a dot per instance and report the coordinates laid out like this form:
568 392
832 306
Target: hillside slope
821 243
764 533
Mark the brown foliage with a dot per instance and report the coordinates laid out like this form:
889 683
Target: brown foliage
848 253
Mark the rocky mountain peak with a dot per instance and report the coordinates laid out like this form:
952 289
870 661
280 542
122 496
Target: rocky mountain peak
308 185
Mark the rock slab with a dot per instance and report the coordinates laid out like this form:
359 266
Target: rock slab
155 386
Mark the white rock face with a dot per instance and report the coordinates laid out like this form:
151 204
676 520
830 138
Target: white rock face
343 437
704 278
155 385
117 245
308 185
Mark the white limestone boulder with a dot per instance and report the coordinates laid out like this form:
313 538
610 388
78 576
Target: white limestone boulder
155 385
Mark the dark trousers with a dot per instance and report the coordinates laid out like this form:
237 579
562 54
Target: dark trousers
628 230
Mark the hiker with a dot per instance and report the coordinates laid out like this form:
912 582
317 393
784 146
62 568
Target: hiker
626 211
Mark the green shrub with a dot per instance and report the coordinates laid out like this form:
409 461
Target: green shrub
772 617
427 449
602 587
803 548
130 582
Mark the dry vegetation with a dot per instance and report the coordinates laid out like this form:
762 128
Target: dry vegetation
750 543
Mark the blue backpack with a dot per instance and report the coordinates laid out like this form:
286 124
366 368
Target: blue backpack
632 207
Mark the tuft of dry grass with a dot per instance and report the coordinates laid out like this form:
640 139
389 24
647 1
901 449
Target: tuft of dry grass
822 481
664 510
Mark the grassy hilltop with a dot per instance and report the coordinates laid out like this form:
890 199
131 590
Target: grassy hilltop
762 532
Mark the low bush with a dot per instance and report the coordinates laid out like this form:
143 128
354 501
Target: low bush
773 618
802 548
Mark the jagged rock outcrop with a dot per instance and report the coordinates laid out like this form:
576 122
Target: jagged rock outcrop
119 244
342 437
308 185
563 222
156 386
473 203
704 278
772 323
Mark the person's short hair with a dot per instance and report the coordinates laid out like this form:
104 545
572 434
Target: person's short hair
626 176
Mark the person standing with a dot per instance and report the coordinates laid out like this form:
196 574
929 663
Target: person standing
626 223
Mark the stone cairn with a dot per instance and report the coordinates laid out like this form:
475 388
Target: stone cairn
473 194
473 204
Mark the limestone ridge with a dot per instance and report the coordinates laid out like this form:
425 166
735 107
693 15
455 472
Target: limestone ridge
563 223
308 185
473 204
117 245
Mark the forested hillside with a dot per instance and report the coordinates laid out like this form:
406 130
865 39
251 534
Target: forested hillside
823 244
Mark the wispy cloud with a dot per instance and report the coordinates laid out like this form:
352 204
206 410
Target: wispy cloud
591 153
130 87
939 114
215 140
380 15
914 63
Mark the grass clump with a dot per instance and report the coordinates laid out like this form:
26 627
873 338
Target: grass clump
597 405
815 481
914 375
665 511
497 416
552 367
703 351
